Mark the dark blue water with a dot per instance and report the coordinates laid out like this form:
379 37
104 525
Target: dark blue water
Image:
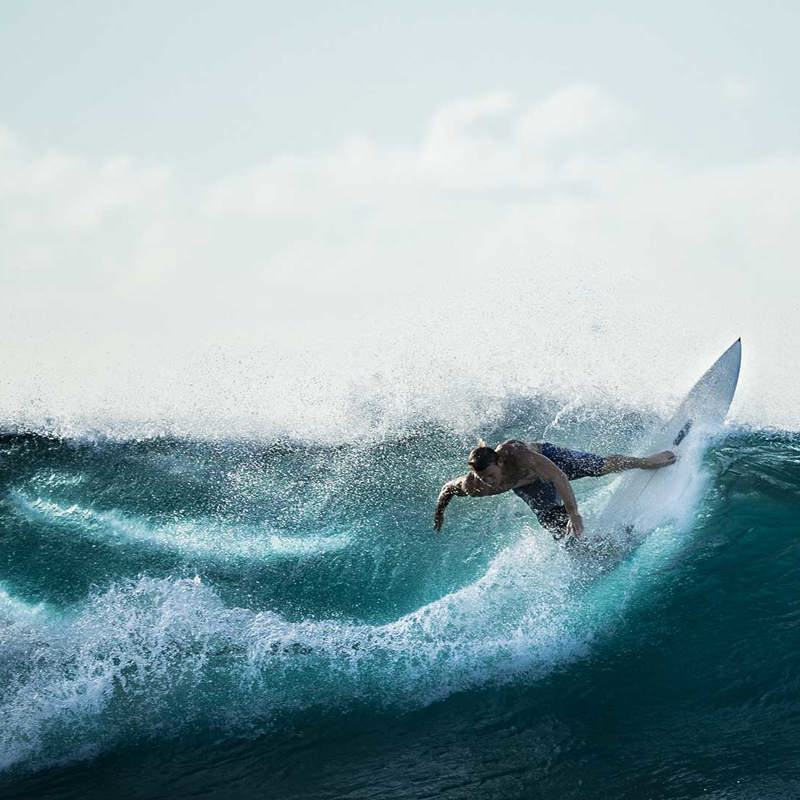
277 619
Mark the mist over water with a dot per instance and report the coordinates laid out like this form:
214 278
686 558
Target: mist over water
456 356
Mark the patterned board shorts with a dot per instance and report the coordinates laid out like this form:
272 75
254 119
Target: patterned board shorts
542 496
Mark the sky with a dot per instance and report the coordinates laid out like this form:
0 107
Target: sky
256 211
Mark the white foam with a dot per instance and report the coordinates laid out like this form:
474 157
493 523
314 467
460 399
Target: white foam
14 609
123 659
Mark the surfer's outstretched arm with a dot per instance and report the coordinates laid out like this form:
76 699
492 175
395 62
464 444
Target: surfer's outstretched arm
451 489
619 463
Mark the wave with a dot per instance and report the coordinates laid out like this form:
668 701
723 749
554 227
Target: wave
146 656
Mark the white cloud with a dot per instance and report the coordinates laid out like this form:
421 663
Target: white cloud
68 221
454 132
569 113
459 151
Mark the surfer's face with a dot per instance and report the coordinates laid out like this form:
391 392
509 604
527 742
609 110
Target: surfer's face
491 475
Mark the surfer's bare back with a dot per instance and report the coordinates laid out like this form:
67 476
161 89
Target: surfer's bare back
539 473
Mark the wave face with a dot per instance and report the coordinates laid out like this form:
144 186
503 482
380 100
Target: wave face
276 617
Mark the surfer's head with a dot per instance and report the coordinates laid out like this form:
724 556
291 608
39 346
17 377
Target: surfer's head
483 462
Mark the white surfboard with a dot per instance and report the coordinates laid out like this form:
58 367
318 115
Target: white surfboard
644 499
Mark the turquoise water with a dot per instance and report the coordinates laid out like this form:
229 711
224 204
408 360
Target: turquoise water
276 618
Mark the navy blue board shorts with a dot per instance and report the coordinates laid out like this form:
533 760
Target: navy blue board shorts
542 496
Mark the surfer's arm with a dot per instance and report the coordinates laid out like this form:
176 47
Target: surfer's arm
451 489
548 471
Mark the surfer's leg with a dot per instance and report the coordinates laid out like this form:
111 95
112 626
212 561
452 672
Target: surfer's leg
574 463
619 463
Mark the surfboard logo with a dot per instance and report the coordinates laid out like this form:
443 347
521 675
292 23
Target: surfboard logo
682 433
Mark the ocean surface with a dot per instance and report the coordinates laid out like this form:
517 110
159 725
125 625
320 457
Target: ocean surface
270 616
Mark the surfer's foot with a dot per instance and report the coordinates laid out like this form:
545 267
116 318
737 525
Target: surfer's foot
658 460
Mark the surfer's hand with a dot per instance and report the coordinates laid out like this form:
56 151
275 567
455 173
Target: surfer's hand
438 520
575 526
658 460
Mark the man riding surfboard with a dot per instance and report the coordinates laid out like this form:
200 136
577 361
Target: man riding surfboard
539 473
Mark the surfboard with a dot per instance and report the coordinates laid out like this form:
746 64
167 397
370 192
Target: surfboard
644 499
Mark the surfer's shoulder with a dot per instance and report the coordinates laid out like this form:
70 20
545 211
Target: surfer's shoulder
511 448
469 483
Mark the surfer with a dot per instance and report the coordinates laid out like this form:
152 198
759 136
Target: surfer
539 473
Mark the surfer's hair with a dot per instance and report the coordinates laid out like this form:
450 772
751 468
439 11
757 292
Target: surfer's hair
482 457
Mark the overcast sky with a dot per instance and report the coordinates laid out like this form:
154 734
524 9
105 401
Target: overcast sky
197 196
